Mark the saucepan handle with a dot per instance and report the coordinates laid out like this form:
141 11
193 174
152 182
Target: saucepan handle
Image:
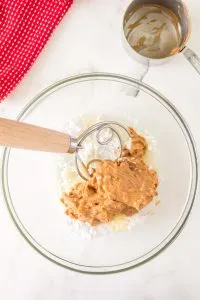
193 58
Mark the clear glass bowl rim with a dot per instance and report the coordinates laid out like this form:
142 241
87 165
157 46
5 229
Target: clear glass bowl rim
193 188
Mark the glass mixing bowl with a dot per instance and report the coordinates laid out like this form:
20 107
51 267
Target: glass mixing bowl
30 178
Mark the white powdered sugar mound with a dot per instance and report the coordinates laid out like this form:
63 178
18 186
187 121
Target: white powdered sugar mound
92 150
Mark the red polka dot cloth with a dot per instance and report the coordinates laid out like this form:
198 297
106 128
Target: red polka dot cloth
25 27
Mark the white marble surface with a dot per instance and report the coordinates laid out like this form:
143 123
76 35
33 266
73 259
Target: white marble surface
88 40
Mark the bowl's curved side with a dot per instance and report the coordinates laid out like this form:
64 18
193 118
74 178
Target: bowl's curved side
183 218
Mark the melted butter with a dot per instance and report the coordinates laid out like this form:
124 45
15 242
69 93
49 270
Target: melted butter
149 158
157 201
153 31
119 223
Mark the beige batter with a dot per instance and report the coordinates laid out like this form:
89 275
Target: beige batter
120 187
153 31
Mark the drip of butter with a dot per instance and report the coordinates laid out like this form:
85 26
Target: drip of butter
120 223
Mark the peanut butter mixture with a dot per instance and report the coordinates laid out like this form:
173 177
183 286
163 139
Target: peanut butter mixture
120 187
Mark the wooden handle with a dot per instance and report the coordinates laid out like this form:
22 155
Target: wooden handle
21 135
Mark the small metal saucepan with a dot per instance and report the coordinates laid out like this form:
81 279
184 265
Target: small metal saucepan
180 10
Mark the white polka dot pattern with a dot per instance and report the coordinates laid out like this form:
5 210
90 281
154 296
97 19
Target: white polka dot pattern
25 27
